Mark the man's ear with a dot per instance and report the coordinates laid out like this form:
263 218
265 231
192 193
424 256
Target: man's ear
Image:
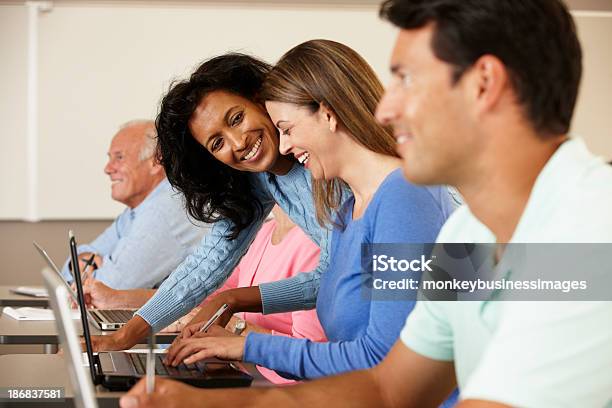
328 116
156 167
488 79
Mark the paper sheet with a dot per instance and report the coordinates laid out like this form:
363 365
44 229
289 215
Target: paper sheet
33 313
30 291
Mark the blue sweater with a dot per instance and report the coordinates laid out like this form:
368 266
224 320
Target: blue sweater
360 332
209 266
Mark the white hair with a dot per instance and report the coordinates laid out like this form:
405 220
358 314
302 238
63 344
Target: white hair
150 144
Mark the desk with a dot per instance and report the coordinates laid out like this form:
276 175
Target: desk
8 298
39 370
44 371
44 332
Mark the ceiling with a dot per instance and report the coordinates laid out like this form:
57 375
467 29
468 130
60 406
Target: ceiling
590 5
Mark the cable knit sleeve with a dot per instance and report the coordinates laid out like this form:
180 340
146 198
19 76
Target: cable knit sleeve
293 193
207 268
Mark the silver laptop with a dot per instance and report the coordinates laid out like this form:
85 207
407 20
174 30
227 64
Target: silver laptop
80 379
103 319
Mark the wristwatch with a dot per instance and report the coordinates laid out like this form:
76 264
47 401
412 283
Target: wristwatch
239 326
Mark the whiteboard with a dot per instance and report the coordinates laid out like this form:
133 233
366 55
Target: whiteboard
104 63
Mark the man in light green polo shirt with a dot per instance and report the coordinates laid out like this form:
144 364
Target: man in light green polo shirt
482 99
540 354
496 129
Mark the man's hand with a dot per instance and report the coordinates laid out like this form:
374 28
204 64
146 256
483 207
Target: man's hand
83 258
73 304
100 296
167 394
217 342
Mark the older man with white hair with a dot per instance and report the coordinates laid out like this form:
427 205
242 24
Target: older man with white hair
154 234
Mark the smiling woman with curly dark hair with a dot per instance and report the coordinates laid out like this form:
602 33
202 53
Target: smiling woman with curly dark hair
212 189
220 149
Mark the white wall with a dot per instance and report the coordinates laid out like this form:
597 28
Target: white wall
593 116
13 188
104 63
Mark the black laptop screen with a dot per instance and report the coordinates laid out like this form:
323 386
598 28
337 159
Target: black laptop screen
81 298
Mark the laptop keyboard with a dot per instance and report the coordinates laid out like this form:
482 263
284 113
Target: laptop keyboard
117 316
140 363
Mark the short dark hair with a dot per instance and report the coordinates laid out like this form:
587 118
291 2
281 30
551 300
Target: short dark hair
535 39
212 189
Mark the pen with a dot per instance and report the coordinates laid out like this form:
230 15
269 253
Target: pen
214 318
151 364
87 265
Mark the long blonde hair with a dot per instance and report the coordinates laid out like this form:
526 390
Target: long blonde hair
326 72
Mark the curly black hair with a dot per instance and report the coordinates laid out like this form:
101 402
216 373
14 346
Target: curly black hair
212 190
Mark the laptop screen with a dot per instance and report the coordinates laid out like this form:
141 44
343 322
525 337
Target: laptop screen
82 387
82 306
53 266
55 269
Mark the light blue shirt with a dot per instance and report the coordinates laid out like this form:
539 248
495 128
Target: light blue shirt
521 353
144 244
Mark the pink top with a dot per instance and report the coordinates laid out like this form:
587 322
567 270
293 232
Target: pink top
265 262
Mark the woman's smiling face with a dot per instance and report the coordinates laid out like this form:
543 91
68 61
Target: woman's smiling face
308 136
237 132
